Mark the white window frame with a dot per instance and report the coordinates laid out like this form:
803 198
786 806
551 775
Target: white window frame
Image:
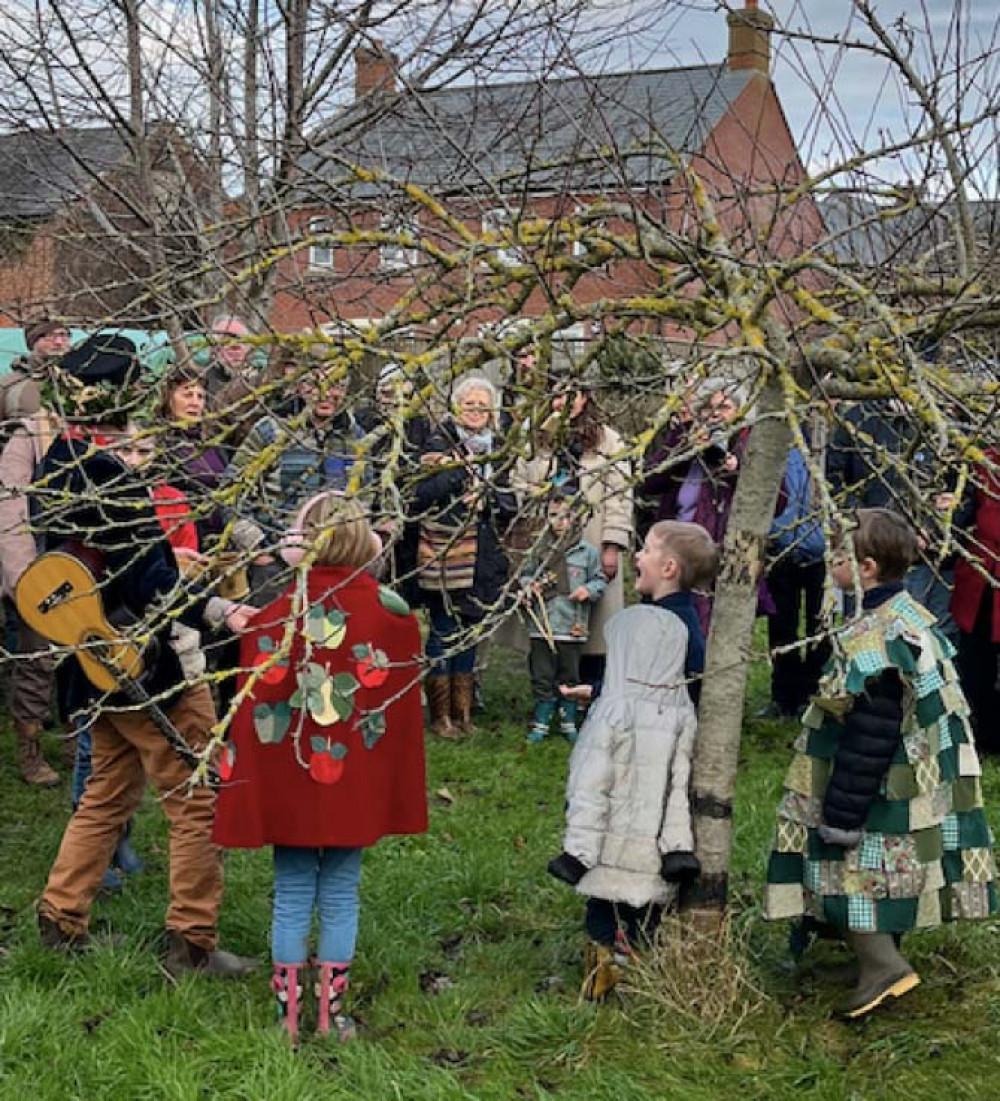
393 257
496 221
321 257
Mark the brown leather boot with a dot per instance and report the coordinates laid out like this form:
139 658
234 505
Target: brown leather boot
463 694
34 768
439 692
183 958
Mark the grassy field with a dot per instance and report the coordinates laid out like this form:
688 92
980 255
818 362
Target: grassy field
468 969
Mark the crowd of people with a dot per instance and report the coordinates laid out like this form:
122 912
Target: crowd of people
248 519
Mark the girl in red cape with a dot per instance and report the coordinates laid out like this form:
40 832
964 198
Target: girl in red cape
326 752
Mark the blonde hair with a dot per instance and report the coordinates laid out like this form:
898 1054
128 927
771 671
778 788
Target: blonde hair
337 528
692 546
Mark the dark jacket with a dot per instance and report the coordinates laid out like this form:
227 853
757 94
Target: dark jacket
196 468
439 494
682 605
664 477
871 736
858 470
96 500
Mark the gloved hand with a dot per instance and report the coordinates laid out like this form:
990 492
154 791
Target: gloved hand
679 867
568 869
832 835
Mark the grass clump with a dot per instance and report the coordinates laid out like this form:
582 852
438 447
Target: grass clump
697 978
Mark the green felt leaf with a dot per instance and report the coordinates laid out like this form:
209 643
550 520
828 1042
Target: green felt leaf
361 650
344 706
271 721
392 602
372 729
345 684
318 744
265 644
338 751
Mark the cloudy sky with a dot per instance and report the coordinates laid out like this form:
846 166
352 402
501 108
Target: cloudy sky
835 91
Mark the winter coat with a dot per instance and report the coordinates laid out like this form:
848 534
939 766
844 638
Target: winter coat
197 469
439 495
581 565
327 750
983 546
305 459
627 795
20 459
606 484
90 496
857 469
664 478
797 529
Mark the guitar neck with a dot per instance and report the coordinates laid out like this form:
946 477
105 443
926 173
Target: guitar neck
138 695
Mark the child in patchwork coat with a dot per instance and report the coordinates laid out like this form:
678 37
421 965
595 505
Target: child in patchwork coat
881 826
628 840
563 580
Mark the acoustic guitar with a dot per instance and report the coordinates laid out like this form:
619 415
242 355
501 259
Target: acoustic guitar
59 596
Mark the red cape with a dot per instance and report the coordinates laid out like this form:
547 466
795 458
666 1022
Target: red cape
328 750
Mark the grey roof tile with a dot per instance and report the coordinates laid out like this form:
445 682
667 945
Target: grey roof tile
556 134
40 171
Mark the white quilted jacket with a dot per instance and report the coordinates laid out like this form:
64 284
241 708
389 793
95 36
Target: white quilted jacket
627 794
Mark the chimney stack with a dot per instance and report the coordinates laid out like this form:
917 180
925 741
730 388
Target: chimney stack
375 69
750 39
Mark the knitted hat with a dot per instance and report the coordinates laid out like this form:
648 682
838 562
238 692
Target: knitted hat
34 332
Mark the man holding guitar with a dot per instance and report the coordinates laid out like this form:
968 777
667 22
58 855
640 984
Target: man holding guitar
92 506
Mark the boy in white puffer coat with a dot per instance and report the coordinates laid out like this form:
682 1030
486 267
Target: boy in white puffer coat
628 840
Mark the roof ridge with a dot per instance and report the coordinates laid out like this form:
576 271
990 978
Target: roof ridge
717 66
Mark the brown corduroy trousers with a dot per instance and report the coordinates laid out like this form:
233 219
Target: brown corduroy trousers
128 749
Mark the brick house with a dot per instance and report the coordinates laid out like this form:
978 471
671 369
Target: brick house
74 236
508 161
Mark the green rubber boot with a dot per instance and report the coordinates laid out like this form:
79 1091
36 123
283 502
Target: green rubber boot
544 710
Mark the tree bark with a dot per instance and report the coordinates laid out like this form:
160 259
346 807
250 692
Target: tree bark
728 658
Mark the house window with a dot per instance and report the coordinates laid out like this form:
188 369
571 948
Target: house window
396 255
320 253
501 222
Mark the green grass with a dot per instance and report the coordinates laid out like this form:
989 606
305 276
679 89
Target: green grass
467 969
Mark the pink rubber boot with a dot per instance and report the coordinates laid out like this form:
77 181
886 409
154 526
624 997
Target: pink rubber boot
331 986
288 992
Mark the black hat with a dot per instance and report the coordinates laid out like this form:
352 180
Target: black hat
104 357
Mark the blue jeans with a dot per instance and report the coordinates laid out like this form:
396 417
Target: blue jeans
305 879
447 631
83 765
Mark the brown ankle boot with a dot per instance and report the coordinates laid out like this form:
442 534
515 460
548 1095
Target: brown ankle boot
439 692
184 957
34 768
463 694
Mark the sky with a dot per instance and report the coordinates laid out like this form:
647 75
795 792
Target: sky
834 91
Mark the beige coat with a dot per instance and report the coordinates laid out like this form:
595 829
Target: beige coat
25 449
606 483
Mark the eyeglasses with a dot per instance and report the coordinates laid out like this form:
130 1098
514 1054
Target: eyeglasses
475 407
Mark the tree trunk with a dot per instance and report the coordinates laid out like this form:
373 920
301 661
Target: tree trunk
728 658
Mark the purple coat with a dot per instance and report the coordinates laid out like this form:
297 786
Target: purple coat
196 468
664 479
